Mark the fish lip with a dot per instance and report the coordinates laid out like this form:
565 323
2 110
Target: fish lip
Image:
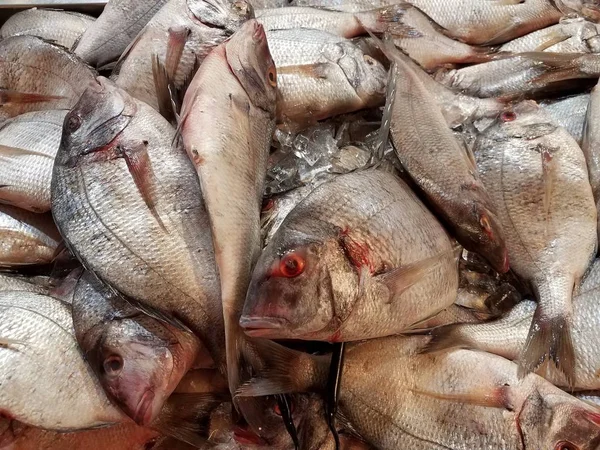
143 412
262 326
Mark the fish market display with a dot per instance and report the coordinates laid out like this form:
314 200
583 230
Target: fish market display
300 225
61 27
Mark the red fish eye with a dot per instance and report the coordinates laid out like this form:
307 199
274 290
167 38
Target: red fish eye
277 410
291 265
508 116
564 445
268 205
113 365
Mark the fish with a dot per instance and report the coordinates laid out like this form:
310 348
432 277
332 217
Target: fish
570 113
359 257
60 27
37 75
11 282
118 25
588 9
116 437
194 26
151 244
201 381
537 178
525 75
138 360
39 355
28 145
590 142
27 238
231 162
491 21
320 75
466 399
571 35
443 169
351 6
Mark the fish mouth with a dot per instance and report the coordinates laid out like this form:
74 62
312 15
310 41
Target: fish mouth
262 326
143 413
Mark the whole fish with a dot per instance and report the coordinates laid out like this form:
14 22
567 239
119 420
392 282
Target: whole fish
195 27
231 160
321 75
36 75
490 21
26 237
536 175
442 168
138 360
591 141
571 35
570 113
9 282
523 75
28 145
128 204
507 336
40 356
117 26
360 257
117 437
395 397
60 27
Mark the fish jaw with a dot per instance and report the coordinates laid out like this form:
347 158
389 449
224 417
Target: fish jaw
144 412
263 327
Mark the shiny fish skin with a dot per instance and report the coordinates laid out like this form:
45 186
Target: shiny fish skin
45 380
207 30
569 113
26 237
320 75
18 283
442 168
60 27
536 175
115 29
151 356
573 35
351 6
489 22
25 178
153 247
350 233
591 143
30 65
459 400
116 437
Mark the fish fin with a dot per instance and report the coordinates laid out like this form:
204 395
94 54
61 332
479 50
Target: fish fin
317 70
389 20
177 39
8 151
8 343
402 278
446 337
66 288
140 167
163 93
127 51
386 120
185 416
505 34
9 96
559 65
108 67
491 397
284 370
549 339
555 38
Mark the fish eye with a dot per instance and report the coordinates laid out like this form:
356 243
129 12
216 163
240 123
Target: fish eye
508 116
564 445
73 123
291 265
277 410
370 61
268 205
241 7
272 75
113 365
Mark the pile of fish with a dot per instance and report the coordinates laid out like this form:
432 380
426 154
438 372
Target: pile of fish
316 225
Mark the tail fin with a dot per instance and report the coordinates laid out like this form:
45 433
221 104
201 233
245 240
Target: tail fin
185 416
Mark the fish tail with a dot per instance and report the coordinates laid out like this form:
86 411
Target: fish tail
185 416
555 66
390 19
549 338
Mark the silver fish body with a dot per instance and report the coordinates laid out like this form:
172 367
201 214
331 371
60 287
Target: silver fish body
570 113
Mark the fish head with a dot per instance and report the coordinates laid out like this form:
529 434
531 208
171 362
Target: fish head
250 61
225 14
139 364
366 75
91 129
295 284
553 419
